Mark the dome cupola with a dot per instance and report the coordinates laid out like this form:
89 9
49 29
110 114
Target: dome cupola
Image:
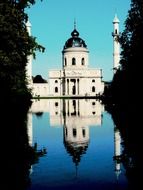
75 52
75 40
75 33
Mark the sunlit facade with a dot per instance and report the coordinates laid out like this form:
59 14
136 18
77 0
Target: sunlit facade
75 78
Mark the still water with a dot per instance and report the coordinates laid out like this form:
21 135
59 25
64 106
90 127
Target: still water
81 142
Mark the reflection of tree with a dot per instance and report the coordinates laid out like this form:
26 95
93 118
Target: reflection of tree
39 114
128 121
17 154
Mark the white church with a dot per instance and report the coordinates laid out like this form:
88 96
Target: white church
75 79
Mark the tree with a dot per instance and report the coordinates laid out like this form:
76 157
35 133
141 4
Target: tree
39 79
16 46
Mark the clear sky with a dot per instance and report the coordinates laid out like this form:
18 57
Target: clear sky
53 21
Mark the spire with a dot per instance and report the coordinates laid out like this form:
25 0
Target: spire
116 20
28 26
75 33
74 24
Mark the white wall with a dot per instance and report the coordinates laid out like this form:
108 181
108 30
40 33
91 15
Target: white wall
40 89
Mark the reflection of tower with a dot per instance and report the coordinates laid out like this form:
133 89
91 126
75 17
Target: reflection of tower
29 128
76 135
116 45
29 59
74 147
30 133
117 144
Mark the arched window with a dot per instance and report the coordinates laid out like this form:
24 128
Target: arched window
66 131
83 132
65 62
56 81
74 132
82 61
73 61
93 103
93 89
93 80
56 89
56 104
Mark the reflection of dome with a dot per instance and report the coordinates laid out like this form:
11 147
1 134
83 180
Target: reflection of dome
75 41
76 150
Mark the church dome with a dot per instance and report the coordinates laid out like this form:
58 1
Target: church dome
75 41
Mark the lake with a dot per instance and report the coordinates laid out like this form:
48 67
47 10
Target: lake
82 145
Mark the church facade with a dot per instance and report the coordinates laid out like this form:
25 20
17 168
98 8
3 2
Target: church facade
76 78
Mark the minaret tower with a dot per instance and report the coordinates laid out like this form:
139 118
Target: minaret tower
29 63
116 45
117 151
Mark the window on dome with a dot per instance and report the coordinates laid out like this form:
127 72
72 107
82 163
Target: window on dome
65 62
74 132
66 131
82 61
73 61
83 132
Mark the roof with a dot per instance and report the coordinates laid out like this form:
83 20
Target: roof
75 41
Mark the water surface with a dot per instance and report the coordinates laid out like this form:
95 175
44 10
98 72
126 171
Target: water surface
81 142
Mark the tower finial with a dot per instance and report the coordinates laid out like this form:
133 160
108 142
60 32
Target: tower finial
74 23
116 20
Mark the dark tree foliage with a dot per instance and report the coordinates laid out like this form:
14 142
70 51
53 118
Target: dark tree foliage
17 154
124 94
126 84
15 46
132 48
39 79
128 123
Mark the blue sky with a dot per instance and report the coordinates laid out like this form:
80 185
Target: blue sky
53 21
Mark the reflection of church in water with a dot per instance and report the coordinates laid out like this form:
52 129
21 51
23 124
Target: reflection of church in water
76 116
